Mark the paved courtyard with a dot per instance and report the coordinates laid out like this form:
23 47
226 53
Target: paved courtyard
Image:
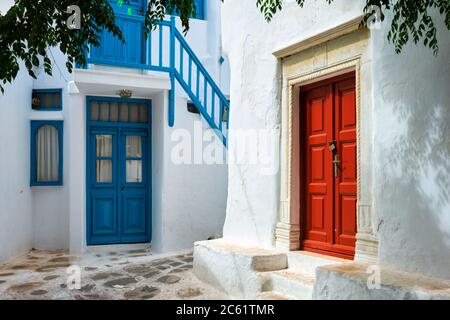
132 274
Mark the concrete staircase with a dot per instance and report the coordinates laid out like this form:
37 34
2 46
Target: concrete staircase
297 281
255 273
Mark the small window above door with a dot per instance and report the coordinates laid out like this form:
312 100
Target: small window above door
118 111
47 100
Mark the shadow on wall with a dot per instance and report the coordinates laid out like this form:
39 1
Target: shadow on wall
414 199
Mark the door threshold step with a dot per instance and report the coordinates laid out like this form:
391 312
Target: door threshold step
291 284
307 262
119 248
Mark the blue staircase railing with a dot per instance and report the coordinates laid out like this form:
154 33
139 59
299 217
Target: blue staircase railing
185 68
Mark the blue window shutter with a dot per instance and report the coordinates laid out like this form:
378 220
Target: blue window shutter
35 125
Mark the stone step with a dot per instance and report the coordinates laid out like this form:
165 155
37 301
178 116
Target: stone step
291 284
306 262
235 269
119 248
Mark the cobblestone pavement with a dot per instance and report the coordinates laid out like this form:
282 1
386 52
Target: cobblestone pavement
132 274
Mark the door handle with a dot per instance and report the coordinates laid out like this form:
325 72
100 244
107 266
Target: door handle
333 148
336 165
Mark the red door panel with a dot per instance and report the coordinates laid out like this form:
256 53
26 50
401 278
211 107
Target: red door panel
329 219
346 182
319 224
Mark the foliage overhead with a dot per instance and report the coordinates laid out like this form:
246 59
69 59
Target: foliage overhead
411 18
30 27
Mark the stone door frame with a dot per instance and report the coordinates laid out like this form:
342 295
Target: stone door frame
312 62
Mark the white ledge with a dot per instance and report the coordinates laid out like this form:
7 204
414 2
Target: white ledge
320 38
101 82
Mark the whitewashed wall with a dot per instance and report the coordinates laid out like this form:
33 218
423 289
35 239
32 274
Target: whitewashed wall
411 148
189 199
16 217
16 198
412 155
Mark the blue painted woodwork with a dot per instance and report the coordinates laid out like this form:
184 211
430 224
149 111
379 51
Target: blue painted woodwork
41 93
211 103
129 18
118 211
200 8
130 7
183 67
34 126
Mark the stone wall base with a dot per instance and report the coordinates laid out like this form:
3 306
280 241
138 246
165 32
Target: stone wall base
354 281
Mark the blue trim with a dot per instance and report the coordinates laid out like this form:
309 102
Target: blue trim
118 129
213 98
172 75
54 108
34 127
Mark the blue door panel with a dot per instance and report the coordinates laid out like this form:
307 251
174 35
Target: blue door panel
132 51
104 216
135 219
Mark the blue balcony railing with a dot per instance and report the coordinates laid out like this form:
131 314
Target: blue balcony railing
166 50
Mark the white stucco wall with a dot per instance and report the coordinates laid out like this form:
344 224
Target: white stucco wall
410 131
16 198
16 212
51 204
412 155
54 217
189 200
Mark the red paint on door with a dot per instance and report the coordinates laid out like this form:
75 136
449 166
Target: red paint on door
330 173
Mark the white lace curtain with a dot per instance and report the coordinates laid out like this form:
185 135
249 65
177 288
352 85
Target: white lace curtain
47 154
134 167
104 166
104 149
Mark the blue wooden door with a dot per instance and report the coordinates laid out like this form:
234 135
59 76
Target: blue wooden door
118 171
130 20
133 185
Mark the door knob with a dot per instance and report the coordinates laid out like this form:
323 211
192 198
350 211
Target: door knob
332 145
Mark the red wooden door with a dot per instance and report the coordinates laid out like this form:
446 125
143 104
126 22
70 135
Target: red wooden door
329 177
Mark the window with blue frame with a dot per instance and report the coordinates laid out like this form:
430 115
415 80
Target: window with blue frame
47 99
200 10
46 153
